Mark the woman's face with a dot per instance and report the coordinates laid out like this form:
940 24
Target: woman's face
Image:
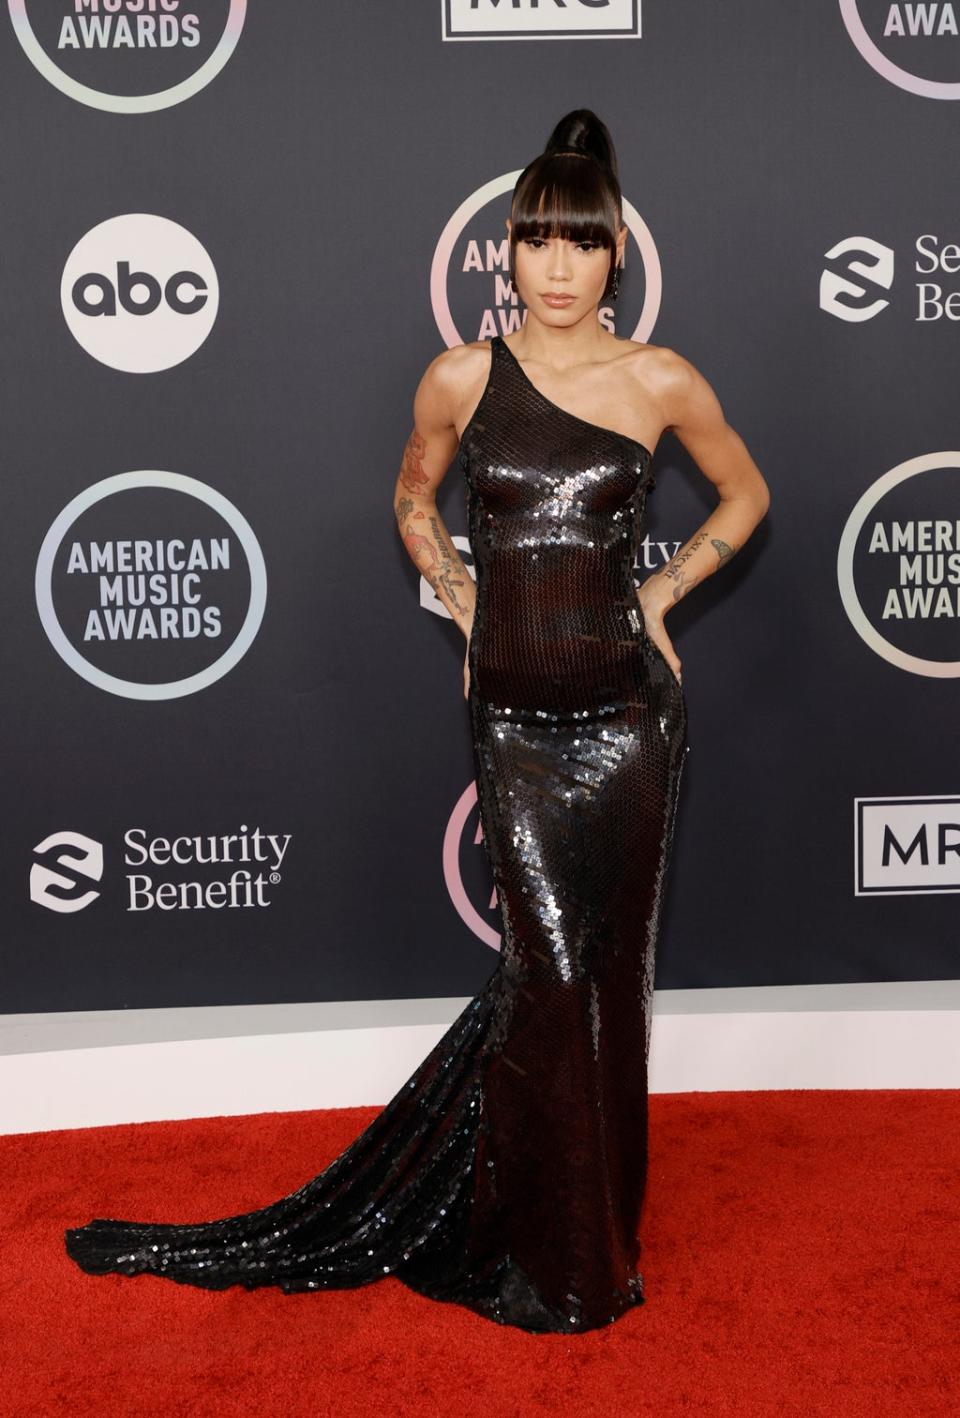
552 266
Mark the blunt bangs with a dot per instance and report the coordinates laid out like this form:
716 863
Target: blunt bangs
566 196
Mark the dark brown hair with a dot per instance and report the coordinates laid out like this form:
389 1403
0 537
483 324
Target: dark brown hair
572 190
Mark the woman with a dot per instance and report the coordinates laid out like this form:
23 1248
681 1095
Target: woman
508 1173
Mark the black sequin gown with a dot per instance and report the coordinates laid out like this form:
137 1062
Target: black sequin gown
507 1174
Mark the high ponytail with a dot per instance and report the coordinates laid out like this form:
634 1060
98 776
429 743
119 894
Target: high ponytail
581 131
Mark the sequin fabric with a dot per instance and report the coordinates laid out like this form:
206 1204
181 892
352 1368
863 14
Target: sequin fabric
508 1173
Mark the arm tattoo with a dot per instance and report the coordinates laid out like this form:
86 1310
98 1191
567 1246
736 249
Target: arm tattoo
411 469
433 556
450 564
684 583
724 552
673 566
682 579
422 552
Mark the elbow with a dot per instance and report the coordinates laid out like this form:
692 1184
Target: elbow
410 504
761 497
404 501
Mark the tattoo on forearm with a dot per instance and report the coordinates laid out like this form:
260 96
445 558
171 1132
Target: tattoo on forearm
674 569
435 563
411 469
448 577
406 512
684 583
681 578
422 551
433 555
723 549
675 563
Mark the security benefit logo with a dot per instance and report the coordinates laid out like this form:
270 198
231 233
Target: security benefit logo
898 566
139 293
151 585
541 19
234 871
66 875
128 56
910 43
859 284
907 845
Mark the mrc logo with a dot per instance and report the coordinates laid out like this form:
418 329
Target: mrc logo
529 19
907 845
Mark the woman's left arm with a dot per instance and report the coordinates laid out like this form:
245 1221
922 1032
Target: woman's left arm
691 410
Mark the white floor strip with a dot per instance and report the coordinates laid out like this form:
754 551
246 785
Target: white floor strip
119 1066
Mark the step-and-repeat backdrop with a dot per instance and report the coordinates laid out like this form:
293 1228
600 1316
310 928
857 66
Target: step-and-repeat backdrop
236 755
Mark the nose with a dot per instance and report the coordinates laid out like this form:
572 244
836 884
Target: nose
560 265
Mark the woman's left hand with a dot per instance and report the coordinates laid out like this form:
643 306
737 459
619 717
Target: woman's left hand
653 621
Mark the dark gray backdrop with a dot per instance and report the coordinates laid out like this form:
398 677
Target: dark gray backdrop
319 169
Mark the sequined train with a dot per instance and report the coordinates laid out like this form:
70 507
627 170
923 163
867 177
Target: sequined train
508 1173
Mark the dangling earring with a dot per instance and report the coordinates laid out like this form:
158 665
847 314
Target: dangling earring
615 283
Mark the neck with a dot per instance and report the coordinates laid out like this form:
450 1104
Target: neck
561 345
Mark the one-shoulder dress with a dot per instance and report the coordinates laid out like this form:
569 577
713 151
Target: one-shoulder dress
508 1173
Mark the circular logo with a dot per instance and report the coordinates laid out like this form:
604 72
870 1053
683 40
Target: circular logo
160 52
898 566
474 244
139 293
458 835
923 24
151 574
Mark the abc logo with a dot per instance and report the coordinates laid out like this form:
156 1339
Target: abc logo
139 293
94 294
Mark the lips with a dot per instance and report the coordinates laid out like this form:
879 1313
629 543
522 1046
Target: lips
556 298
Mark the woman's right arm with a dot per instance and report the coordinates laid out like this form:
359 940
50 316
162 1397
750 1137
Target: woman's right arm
432 443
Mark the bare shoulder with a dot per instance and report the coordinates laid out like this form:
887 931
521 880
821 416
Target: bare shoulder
454 379
669 378
656 367
455 364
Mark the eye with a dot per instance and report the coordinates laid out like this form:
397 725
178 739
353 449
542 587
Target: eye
537 241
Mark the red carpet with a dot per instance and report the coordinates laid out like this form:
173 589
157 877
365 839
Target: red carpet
801 1256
